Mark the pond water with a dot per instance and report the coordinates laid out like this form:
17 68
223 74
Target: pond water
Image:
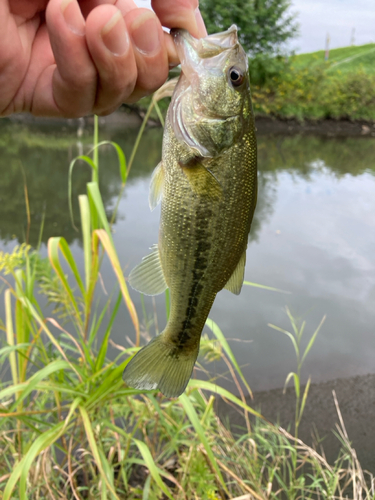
313 236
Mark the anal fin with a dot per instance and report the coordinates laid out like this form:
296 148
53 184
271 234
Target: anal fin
235 282
148 276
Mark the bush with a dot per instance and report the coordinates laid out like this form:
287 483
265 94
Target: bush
315 94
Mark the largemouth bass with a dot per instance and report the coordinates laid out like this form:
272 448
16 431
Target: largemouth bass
207 185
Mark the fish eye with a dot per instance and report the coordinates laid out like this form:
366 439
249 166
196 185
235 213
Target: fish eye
236 76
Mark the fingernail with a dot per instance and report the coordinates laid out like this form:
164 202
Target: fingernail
73 16
200 23
145 33
115 36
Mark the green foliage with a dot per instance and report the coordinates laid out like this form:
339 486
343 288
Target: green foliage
296 338
264 68
10 261
307 86
264 24
315 93
344 59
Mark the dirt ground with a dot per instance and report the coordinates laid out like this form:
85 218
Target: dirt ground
356 398
328 128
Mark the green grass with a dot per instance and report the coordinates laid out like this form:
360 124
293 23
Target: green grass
71 429
307 87
345 59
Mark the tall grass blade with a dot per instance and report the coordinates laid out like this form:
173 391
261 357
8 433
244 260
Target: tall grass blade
84 207
10 335
5 351
95 156
94 168
43 327
21 470
107 243
312 340
265 287
146 489
54 244
95 197
304 398
217 389
288 334
95 451
120 156
108 470
103 348
150 464
223 341
33 381
139 136
289 376
97 322
193 417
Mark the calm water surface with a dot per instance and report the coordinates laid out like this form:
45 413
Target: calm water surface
313 235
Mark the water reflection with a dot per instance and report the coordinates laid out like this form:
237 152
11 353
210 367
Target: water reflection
313 234
44 156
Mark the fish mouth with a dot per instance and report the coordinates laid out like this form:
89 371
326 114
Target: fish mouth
191 50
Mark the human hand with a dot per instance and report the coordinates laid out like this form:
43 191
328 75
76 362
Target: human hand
71 58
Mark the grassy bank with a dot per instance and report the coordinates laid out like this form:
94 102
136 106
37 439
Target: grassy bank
308 87
71 429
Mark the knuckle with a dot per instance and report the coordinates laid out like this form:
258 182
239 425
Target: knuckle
151 81
80 81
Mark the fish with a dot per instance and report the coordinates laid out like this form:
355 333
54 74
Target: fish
207 185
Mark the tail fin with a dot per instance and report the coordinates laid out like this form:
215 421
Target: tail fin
156 366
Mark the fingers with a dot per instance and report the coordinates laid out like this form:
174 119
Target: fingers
180 14
15 42
69 88
148 41
129 54
119 53
111 49
100 62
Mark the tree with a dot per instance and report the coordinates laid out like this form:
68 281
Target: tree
264 25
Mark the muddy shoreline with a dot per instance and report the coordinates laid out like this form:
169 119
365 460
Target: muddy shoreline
327 128
265 125
356 398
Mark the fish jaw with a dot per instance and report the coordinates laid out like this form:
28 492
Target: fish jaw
191 50
205 65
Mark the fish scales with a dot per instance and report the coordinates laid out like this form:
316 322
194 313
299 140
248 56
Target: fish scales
207 180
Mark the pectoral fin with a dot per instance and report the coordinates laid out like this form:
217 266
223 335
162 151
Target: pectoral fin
201 179
156 186
234 284
148 276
